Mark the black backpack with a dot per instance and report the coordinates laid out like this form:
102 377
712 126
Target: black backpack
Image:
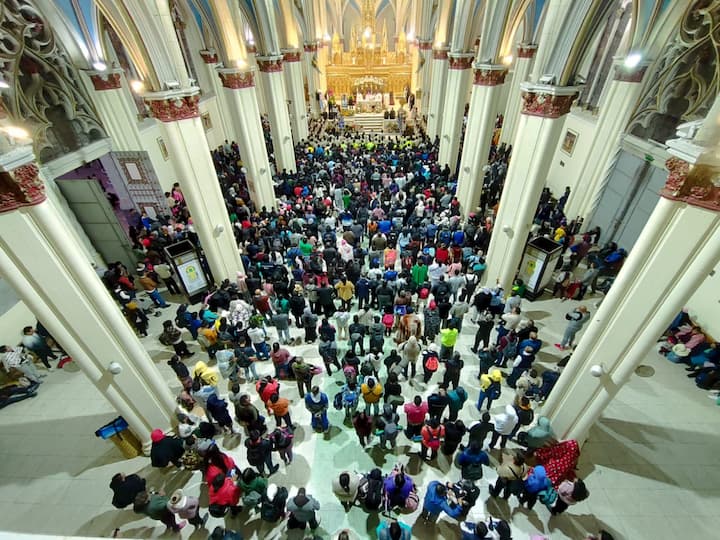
273 510
371 493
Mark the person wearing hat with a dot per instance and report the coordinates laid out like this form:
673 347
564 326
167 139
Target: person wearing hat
155 506
165 450
679 353
186 507
172 335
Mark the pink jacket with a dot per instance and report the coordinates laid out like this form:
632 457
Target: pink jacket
416 414
565 491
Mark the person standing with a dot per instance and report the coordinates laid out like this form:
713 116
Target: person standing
504 424
345 291
317 404
448 338
485 323
164 272
432 434
453 367
416 412
302 508
393 530
436 502
576 320
490 388
17 358
259 453
303 375
345 487
371 391
363 424
187 508
511 473
280 408
155 506
149 285
125 489
34 342
171 335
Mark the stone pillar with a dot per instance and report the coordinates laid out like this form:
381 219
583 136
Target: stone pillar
271 73
311 76
322 62
487 90
296 94
258 87
211 63
119 115
523 63
240 92
456 90
677 249
425 73
619 102
189 153
437 91
537 137
46 268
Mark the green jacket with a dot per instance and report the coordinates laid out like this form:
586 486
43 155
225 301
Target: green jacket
419 274
259 485
157 507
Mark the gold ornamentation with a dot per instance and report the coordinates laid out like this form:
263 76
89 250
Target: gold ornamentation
237 80
209 57
273 65
489 77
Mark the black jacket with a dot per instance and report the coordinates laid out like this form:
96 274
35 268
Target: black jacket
124 491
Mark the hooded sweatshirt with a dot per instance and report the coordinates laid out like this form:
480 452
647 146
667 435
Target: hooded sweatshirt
303 507
505 422
540 434
209 376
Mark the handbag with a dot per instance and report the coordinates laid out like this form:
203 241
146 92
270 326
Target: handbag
412 501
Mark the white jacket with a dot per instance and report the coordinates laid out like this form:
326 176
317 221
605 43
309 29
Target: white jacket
505 422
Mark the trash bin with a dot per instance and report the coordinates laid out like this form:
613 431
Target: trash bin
118 432
537 265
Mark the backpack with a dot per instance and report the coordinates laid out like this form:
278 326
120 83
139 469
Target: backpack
282 437
366 368
493 391
273 510
217 510
371 492
338 401
431 363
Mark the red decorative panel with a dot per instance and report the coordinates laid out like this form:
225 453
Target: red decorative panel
460 62
526 51
425 45
174 109
634 75
440 54
21 187
698 185
237 80
270 65
546 105
106 81
489 77
291 56
209 57
310 47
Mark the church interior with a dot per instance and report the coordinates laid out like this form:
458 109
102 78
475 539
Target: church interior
225 158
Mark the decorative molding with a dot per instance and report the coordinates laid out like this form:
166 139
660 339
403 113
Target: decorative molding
697 185
270 64
460 61
440 54
251 49
310 47
624 74
172 109
21 187
291 55
236 79
106 81
526 50
489 75
547 101
209 56
425 45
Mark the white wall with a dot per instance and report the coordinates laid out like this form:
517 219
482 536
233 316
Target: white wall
565 169
704 306
12 323
150 132
216 134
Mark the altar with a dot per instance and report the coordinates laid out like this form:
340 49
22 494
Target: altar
371 102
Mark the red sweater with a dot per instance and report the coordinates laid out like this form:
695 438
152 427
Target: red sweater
416 414
227 495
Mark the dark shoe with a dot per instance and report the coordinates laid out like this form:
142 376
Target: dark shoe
274 469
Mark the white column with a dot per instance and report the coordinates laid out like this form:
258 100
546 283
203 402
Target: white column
487 90
311 76
210 61
437 91
296 94
322 62
271 74
456 91
617 106
240 92
425 73
190 155
119 115
523 64
259 89
538 134
677 249
48 271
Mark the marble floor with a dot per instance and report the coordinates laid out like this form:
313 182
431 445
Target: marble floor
651 463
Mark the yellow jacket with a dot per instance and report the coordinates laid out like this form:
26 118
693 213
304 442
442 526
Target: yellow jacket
345 290
209 376
371 395
486 379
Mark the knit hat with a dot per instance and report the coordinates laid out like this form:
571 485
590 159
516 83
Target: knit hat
157 435
681 350
178 500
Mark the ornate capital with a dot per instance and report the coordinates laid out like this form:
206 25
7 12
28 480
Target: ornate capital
546 104
440 54
490 75
460 61
698 185
291 55
209 56
425 45
310 47
631 75
251 48
172 109
270 64
106 81
526 50
21 187
236 79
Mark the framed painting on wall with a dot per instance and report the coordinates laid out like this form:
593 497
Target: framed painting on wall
206 121
569 141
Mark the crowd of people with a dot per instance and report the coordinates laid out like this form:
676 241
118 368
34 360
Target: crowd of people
364 276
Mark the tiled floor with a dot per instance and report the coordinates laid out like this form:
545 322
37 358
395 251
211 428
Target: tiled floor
651 464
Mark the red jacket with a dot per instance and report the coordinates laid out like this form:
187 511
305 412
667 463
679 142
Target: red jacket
416 414
271 388
431 437
213 470
227 495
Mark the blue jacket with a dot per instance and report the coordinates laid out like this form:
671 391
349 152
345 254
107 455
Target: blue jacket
534 343
314 407
434 504
466 457
537 480
362 288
